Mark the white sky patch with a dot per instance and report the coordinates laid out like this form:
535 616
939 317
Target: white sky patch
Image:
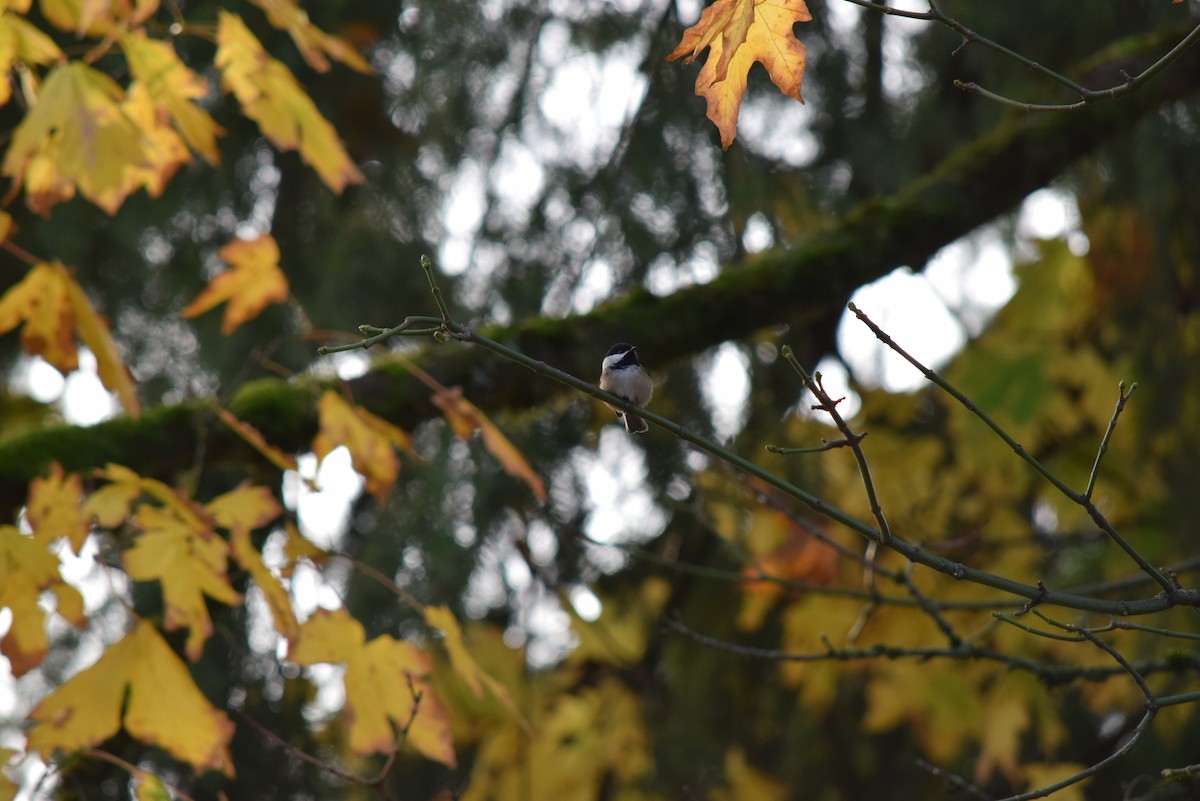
974 278
588 99
519 179
323 515
726 388
664 276
1052 213
35 377
777 127
758 235
622 509
585 602
596 286
85 401
462 214
906 307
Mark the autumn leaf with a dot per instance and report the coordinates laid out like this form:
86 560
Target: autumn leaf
164 706
272 97
22 42
463 664
465 419
40 301
314 44
739 33
77 137
385 687
241 511
27 568
53 306
97 18
189 561
297 547
172 89
54 508
370 440
111 504
1006 710
254 438
254 282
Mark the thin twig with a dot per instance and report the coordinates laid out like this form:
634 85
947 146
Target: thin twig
134 770
1171 591
1125 608
1086 96
1122 399
828 405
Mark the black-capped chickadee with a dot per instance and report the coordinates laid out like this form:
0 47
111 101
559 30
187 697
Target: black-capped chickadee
624 376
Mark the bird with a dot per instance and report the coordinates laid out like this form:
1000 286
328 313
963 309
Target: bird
624 376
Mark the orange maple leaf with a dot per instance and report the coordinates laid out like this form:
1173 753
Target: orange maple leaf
385 686
164 707
739 33
272 97
254 282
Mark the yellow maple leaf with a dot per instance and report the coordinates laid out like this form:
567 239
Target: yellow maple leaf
97 18
77 136
164 150
465 419
739 33
370 440
298 547
464 665
189 561
110 504
40 301
254 282
27 567
173 89
53 306
20 41
164 707
241 511
272 97
380 680
314 44
55 508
